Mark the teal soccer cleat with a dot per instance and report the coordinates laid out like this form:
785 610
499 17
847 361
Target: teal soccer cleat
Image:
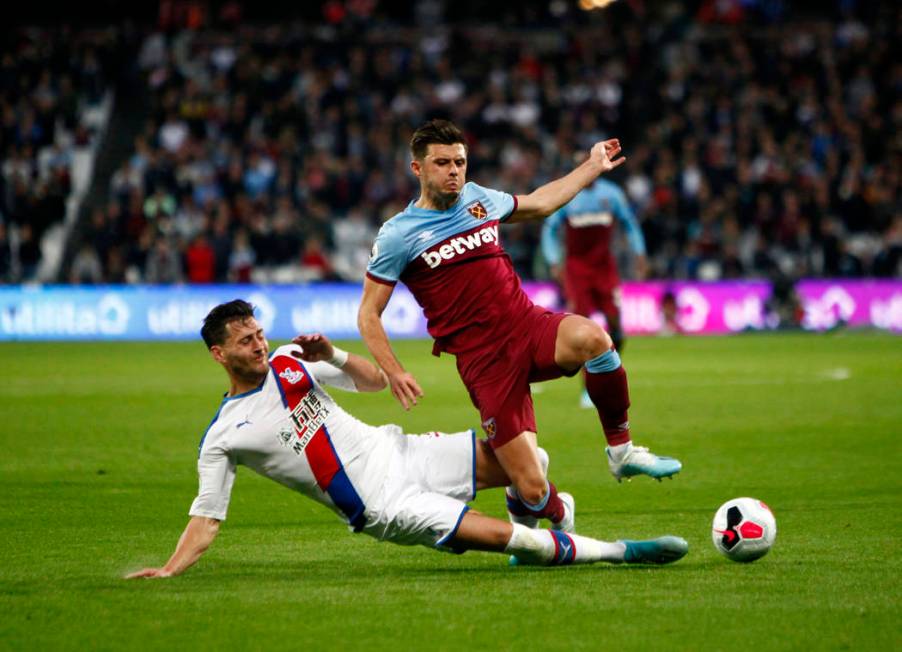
639 461
663 550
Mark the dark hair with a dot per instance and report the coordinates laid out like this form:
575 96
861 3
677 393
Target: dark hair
214 329
436 131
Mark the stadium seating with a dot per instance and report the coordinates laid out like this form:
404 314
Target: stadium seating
758 145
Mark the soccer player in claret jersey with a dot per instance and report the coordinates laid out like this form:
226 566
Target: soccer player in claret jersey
278 420
590 278
445 247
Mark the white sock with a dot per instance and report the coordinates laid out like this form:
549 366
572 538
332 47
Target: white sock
538 547
531 546
590 550
617 452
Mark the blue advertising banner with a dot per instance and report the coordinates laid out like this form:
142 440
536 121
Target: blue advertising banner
176 312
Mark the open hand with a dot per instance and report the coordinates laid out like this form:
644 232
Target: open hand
148 573
405 388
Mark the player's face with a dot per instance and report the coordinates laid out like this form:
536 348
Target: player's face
245 352
443 171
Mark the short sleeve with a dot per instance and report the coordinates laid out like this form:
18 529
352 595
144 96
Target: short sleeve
389 256
216 473
503 202
327 374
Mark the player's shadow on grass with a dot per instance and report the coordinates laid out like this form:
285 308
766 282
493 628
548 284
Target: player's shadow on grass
503 569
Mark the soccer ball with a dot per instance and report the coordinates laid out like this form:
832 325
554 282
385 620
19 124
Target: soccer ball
744 529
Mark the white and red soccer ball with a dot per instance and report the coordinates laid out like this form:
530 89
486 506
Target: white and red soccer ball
744 529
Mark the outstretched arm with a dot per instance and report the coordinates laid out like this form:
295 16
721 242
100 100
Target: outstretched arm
543 201
404 386
367 377
197 537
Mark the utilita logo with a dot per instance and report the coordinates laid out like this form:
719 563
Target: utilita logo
460 245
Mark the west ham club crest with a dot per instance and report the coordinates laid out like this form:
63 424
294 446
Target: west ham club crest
477 210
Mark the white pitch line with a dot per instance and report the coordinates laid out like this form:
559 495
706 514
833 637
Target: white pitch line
840 373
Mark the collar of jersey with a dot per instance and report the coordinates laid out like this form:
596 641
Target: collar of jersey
227 398
413 208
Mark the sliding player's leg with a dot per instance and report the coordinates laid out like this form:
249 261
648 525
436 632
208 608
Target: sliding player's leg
553 547
581 341
424 502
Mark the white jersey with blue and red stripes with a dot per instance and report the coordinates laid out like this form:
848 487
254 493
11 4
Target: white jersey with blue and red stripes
291 431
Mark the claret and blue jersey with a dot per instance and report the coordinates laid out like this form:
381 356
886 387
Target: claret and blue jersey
586 224
431 237
454 265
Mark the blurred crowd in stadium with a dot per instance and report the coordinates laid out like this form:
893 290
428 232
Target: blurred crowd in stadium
758 144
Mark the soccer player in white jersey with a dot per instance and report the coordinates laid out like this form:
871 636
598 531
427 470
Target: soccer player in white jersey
278 420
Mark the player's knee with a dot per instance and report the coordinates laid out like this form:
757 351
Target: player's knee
532 490
591 340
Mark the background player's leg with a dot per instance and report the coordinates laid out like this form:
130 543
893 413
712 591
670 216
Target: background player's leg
551 547
609 305
615 328
581 341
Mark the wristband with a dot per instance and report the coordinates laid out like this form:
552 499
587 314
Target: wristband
339 357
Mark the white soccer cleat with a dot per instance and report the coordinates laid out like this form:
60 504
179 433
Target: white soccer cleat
568 523
637 460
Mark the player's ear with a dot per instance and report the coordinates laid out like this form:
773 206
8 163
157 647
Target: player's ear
216 353
416 167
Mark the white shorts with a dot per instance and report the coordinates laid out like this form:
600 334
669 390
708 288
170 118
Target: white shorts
430 479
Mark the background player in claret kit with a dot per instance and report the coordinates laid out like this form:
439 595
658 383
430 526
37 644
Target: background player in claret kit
278 420
590 278
445 247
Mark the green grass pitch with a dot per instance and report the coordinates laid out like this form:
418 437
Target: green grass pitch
97 472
